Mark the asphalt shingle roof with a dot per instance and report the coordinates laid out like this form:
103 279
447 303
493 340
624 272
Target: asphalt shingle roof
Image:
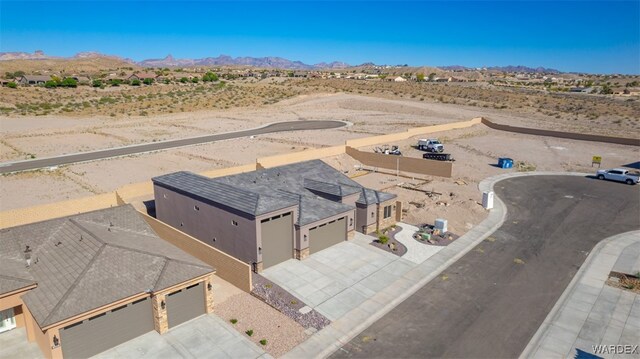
86 261
235 197
307 179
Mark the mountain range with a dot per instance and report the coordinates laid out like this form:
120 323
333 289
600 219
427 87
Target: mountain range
225 60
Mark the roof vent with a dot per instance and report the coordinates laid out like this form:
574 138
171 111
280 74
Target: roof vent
27 256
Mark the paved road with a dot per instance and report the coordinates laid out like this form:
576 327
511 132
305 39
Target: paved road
494 298
9 167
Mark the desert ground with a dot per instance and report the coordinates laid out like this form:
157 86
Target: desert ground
475 149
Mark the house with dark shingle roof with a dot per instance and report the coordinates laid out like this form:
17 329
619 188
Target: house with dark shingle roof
271 215
83 284
33 79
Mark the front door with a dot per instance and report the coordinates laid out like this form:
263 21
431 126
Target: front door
7 320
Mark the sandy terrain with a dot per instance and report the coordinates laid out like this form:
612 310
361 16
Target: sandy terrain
474 149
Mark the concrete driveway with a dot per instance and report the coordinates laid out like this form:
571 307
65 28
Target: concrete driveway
14 344
205 337
340 278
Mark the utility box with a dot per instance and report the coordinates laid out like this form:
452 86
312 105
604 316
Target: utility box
487 199
441 224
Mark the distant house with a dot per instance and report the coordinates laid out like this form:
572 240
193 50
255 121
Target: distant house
396 79
299 74
83 80
33 80
143 76
441 79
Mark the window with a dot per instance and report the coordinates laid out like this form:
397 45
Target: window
350 222
387 212
234 222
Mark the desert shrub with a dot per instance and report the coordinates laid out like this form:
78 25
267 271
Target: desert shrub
135 82
12 85
249 332
233 321
383 239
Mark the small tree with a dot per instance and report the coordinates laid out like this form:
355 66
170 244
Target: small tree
147 81
420 77
135 82
69 82
97 83
606 90
184 80
51 84
12 85
195 79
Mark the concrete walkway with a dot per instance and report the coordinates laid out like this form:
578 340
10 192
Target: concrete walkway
591 313
416 252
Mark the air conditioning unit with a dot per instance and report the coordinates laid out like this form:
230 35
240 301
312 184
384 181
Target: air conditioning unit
441 225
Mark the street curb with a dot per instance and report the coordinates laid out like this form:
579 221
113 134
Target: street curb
494 221
536 340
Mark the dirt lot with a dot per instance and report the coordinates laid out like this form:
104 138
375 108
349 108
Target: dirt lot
475 149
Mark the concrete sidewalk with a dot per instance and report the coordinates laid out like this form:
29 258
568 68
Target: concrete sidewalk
589 312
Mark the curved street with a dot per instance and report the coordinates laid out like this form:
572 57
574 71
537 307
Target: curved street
288 126
491 302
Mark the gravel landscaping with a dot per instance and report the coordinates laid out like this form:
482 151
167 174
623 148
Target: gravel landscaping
287 304
251 314
393 245
443 239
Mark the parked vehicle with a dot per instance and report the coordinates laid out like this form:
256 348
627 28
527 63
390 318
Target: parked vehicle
619 175
430 145
394 150
438 156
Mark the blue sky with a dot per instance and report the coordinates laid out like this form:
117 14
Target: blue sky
592 36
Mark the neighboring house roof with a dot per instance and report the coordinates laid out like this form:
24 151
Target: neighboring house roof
145 75
89 260
234 197
37 78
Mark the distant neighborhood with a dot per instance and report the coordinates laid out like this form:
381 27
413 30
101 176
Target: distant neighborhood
158 72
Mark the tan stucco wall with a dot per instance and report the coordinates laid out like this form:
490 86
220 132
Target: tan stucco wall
16 217
228 268
403 164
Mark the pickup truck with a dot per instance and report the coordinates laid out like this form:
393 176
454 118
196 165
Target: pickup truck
618 174
430 145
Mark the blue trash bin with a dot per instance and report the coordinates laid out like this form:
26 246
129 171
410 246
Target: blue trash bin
505 162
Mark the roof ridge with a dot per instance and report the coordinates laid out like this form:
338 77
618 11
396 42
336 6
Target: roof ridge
152 254
74 284
72 220
116 227
164 268
16 278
